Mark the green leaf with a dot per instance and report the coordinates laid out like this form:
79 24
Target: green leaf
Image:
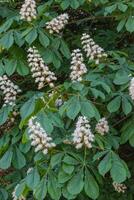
118 172
130 24
27 108
31 36
48 56
19 160
5 161
91 187
3 194
68 168
105 164
19 40
121 77
110 9
5 26
63 177
53 187
22 69
76 183
64 49
126 106
65 4
45 122
44 40
114 105
7 40
10 67
56 159
4 112
74 4
127 131
87 109
56 60
2 68
70 160
20 188
67 195
41 190
122 7
77 86
121 25
33 179
131 141
73 107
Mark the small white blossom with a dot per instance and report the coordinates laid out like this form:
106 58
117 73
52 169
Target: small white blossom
39 70
83 135
40 140
131 89
77 66
28 10
58 23
93 51
29 170
9 89
102 126
14 194
58 102
119 187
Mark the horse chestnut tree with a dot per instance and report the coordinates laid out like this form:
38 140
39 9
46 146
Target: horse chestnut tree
66 99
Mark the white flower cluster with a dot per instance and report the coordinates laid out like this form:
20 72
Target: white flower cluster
77 66
131 89
39 137
28 10
14 195
83 134
93 50
102 126
9 89
57 24
39 70
119 187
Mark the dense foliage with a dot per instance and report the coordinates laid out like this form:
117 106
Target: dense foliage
66 169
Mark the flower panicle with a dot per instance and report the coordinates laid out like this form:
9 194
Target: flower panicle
40 71
10 91
83 135
28 10
93 51
40 140
78 68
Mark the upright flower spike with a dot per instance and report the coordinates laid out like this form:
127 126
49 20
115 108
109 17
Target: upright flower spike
102 126
77 66
119 187
40 140
9 89
131 89
93 51
57 24
83 135
39 70
28 10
